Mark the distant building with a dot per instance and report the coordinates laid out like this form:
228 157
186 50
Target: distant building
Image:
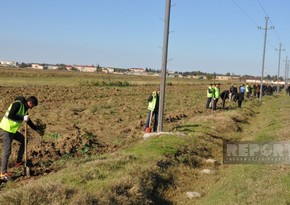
52 67
8 63
227 77
200 77
256 81
138 70
223 77
85 68
69 67
108 70
252 81
36 66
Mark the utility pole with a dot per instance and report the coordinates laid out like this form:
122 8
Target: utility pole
286 71
264 53
164 66
278 75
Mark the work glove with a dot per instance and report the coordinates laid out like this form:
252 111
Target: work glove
26 118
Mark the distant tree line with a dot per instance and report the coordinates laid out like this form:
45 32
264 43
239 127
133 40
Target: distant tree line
24 65
150 70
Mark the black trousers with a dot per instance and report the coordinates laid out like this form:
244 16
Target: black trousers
215 103
240 103
208 103
7 142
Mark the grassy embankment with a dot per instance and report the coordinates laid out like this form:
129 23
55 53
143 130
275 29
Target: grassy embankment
257 184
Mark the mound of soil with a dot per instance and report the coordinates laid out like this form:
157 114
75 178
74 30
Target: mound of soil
43 153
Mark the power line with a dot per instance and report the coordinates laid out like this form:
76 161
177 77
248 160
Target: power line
264 10
253 22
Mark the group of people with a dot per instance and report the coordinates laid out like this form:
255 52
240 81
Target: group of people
238 94
213 95
234 94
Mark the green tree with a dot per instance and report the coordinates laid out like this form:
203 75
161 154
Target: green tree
62 67
209 77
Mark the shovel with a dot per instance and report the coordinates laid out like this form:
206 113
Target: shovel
148 129
26 168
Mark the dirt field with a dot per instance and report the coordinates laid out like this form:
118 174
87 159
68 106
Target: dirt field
83 119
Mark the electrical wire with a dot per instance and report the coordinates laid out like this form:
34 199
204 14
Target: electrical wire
265 12
253 22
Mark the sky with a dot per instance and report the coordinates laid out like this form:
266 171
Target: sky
213 36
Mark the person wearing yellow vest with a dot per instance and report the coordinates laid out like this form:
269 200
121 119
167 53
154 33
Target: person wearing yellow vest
153 107
210 92
10 123
247 90
216 96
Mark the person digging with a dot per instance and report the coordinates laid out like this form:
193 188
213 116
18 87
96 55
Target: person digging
153 107
16 113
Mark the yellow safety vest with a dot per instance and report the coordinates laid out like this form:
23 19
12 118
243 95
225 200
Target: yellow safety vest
10 125
210 91
217 93
152 103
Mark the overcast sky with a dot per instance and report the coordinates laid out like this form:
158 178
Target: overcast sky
207 35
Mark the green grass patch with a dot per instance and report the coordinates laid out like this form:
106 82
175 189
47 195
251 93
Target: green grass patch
52 136
157 147
255 183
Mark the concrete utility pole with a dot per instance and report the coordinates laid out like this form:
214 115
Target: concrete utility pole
286 71
164 66
287 75
278 75
264 53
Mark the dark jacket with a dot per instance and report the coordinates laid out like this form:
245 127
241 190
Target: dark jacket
235 90
240 96
15 108
225 94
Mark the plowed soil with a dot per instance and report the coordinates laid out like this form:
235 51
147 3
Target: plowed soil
86 120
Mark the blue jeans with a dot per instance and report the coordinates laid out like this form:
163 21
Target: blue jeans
155 115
